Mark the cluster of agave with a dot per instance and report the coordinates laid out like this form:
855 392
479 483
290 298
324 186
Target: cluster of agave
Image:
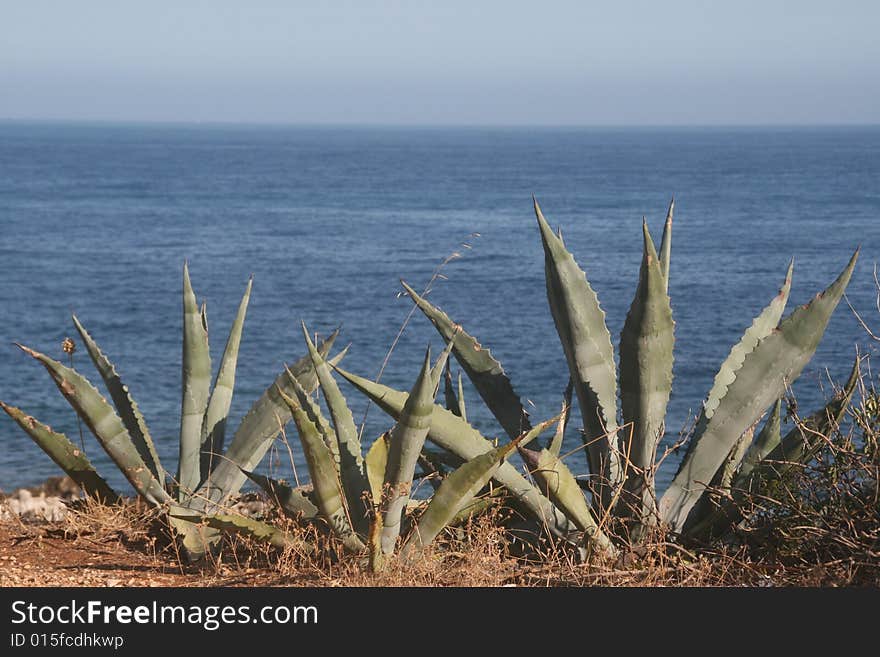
363 496
205 476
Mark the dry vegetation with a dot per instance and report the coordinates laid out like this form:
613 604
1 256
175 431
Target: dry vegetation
821 529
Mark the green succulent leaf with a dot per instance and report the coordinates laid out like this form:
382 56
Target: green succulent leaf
476 507
456 491
376 462
453 405
217 414
797 447
454 434
195 539
766 371
580 322
66 455
555 446
767 440
259 428
328 492
196 385
249 527
351 460
801 443
405 444
666 246
125 405
313 410
559 484
292 501
762 326
103 422
646 344
484 371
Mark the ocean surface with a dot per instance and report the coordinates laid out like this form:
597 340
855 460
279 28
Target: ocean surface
98 219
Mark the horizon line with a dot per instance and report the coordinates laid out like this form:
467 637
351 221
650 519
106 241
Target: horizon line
386 125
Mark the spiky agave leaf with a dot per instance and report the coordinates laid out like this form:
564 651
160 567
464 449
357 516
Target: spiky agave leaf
292 501
351 460
477 506
484 371
666 246
766 441
456 491
555 446
258 429
214 425
773 364
797 447
580 322
65 454
328 493
453 405
376 461
249 527
107 427
196 386
762 326
452 433
438 367
125 405
724 477
313 410
646 344
559 484
405 444
462 407
801 443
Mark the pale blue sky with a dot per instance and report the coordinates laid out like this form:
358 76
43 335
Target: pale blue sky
443 62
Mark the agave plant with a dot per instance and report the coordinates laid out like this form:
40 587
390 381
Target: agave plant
621 444
205 477
364 497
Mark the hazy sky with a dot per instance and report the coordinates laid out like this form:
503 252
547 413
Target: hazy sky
442 62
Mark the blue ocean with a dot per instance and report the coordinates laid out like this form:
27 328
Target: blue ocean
98 219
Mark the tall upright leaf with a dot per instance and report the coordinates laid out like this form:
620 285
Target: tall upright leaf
351 460
196 383
645 380
452 397
313 410
405 444
376 462
555 446
580 322
484 371
773 364
125 405
325 479
666 246
217 414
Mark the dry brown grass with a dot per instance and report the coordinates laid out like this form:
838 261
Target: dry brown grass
820 527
